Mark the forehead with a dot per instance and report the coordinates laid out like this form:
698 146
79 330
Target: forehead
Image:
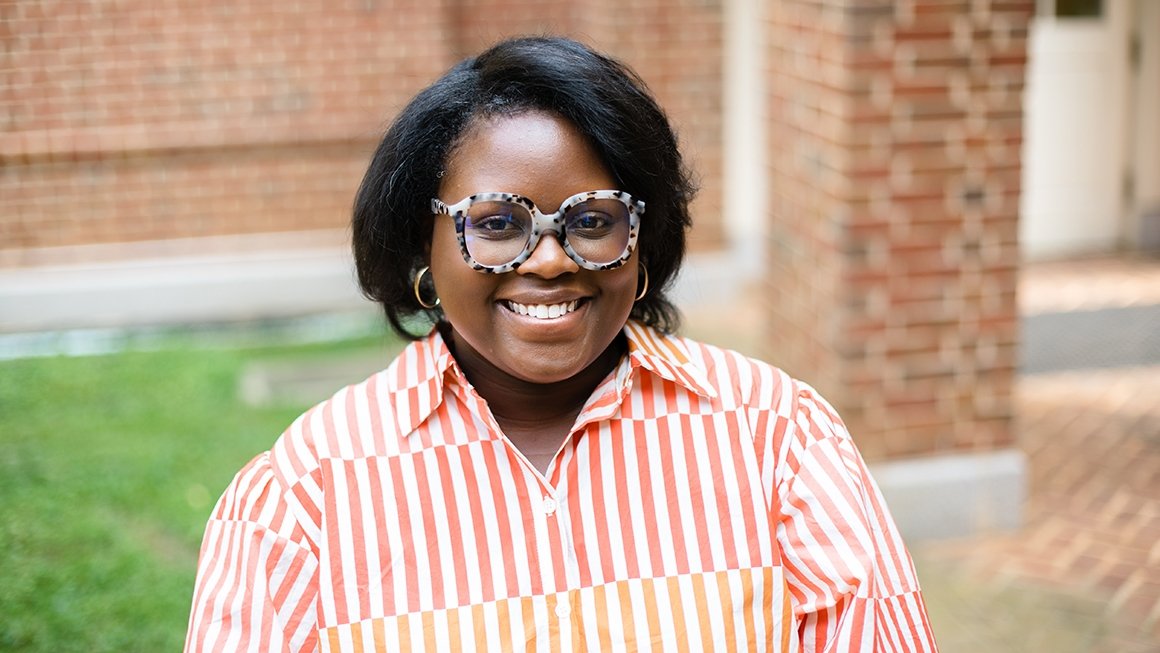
539 155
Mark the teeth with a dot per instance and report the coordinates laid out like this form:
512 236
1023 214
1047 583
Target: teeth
544 311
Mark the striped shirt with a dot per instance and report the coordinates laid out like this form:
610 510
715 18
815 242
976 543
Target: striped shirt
702 501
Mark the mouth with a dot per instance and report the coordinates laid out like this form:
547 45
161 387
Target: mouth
543 311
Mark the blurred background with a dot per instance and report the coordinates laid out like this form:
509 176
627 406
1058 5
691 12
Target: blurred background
945 214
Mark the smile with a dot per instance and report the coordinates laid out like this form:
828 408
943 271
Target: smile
543 311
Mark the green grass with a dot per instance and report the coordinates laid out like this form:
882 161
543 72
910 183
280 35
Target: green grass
109 467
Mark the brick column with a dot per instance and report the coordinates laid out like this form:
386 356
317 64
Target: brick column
894 148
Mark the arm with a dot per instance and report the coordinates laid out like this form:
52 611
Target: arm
851 577
257 578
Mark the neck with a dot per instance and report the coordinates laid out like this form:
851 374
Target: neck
520 405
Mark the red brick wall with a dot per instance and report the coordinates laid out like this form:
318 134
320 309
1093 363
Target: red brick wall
140 120
479 23
895 131
152 120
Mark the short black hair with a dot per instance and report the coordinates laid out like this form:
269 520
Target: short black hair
607 102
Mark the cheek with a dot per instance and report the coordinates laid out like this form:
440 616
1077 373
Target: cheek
626 278
443 250
442 238
623 283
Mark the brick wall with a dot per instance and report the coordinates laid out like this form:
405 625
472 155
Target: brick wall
895 132
151 120
140 120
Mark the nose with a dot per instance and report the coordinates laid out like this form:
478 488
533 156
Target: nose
548 259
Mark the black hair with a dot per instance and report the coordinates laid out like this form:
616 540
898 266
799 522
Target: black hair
606 101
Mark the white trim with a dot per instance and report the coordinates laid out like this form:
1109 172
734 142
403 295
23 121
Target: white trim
227 278
744 175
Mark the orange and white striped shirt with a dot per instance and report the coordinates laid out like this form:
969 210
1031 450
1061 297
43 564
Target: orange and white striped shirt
703 501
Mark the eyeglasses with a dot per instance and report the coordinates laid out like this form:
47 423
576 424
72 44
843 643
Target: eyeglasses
498 231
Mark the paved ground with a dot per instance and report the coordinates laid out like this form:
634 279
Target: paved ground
1083 574
1102 338
1086 566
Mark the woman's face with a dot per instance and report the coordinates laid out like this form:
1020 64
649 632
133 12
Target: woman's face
544 158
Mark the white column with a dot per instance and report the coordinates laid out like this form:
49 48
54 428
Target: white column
744 134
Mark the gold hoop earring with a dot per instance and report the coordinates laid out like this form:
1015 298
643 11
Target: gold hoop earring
643 290
418 295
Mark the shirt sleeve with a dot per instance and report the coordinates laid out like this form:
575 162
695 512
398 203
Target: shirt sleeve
852 580
257 577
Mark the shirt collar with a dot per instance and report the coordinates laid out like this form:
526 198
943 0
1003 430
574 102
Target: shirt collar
417 377
420 373
668 357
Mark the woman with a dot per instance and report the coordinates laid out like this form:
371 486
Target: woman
549 468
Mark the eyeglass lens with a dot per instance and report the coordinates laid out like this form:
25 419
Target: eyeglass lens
498 232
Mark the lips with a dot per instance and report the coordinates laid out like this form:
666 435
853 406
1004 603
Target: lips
543 311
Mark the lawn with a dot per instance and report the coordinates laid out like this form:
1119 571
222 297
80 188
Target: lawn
109 467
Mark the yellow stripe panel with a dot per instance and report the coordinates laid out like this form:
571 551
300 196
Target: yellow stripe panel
428 624
604 638
380 635
702 607
712 595
628 623
479 626
650 611
725 594
528 606
356 635
503 610
749 616
678 615
787 622
404 624
454 637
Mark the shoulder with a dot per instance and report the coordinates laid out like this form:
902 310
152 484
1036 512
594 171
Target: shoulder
763 389
738 379
362 419
246 496
257 500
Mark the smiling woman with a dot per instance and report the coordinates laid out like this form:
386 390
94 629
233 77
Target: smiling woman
548 330
549 466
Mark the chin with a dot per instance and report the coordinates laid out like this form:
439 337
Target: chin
546 374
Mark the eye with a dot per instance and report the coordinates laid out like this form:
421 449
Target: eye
494 223
591 223
498 225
